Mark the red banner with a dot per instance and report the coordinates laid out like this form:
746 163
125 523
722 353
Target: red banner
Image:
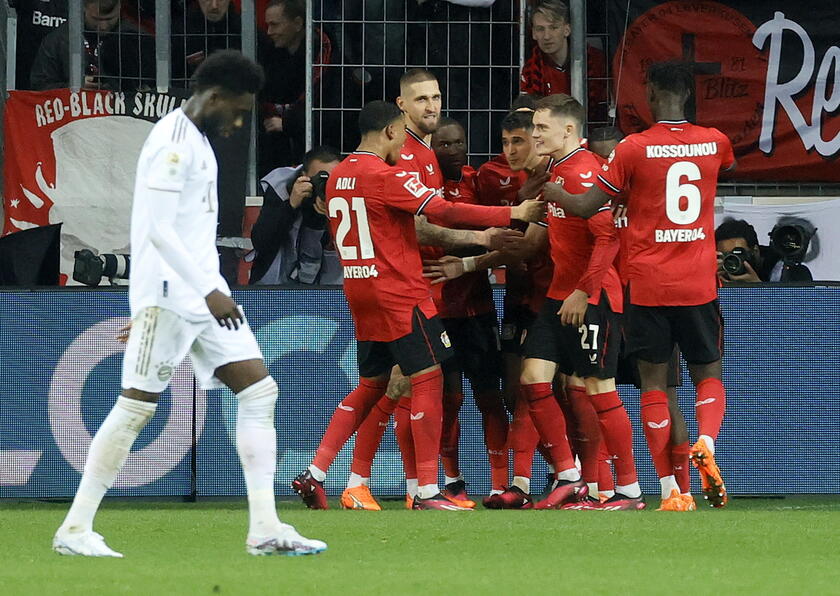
71 158
770 82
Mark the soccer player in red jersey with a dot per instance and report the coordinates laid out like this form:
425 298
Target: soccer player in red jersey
578 329
371 206
602 141
670 172
469 316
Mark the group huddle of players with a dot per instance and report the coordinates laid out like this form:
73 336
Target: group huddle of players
610 270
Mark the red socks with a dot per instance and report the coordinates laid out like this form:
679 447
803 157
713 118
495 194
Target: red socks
550 423
427 423
679 462
710 407
586 431
523 439
451 433
370 434
495 422
348 415
605 475
405 438
618 434
656 421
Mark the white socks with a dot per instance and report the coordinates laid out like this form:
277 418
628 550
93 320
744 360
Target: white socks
411 487
317 473
522 483
256 444
668 484
710 442
593 489
356 480
633 491
427 491
570 475
447 480
107 454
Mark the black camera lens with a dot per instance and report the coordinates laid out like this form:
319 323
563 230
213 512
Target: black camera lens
733 263
788 240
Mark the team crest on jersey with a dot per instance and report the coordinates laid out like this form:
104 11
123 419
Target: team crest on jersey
444 339
415 187
173 158
164 372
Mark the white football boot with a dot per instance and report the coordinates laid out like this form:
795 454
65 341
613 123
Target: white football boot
286 541
85 544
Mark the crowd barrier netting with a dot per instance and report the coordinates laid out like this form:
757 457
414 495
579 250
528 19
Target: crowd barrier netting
61 364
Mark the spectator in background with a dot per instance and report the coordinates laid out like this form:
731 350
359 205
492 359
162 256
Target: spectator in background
291 240
742 259
547 70
283 97
116 55
205 26
35 20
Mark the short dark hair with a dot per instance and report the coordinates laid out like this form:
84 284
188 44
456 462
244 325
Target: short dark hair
521 119
230 70
673 76
292 9
606 133
416 75
525 100
560 104
447 121
736 228
554 10
376 115
323 153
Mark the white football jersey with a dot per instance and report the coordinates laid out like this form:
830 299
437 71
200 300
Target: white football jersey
176 185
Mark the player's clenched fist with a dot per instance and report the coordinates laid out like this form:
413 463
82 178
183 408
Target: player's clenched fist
224 309
531 210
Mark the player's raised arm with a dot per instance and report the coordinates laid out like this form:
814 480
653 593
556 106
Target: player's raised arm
583 205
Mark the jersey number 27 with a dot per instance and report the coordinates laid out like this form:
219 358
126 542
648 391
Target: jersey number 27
340 207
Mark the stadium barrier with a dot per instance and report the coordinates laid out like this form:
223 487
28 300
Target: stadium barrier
61 369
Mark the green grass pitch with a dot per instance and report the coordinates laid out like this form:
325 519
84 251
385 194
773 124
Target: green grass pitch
783 546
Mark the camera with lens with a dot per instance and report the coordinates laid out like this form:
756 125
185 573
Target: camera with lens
311 218
89 268
790 242
735 261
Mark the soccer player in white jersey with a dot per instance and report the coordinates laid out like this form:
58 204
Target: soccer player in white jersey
181 304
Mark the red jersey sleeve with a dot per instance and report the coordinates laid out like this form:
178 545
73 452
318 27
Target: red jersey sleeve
453 214
530 80
604 251
727 154
615 174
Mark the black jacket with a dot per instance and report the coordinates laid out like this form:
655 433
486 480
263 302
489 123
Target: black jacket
123 59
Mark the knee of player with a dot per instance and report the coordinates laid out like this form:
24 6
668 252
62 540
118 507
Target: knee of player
259 399
596 386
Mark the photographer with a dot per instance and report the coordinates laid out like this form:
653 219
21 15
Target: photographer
742 259
290 236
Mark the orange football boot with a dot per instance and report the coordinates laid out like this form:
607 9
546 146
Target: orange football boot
359 497
674 503
714 490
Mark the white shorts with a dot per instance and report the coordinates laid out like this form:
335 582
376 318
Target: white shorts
160 339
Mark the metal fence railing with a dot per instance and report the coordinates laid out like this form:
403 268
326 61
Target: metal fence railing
476 54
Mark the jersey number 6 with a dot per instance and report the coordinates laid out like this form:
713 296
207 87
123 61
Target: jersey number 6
339 206
676 191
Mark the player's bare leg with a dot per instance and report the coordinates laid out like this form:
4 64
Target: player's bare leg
107 454
357 495
710 407
348 416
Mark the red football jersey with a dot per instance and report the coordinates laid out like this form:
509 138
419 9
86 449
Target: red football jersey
470 294
525 283
670 172
583 250
371 208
